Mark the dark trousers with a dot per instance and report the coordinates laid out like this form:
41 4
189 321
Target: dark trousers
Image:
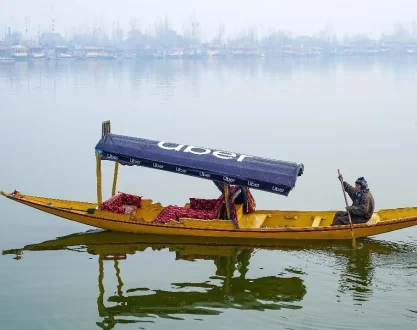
342 218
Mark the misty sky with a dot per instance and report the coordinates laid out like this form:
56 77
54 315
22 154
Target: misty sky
371 17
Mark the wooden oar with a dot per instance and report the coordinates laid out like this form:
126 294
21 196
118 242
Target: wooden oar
350 220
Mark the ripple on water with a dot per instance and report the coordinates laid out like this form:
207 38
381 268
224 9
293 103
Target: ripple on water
364 290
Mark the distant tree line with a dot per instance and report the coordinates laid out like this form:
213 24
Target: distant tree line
163 35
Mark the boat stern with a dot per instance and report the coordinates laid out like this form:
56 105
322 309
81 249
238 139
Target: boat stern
14 194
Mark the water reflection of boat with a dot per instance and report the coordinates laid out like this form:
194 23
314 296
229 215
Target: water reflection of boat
223 290
229 287
129 243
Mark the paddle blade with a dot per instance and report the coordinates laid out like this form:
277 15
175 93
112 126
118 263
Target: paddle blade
353 241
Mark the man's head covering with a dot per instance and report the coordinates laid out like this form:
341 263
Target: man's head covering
362 182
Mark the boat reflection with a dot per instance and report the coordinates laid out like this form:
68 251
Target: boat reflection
224 290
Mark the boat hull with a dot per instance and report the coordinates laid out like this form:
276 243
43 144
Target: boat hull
211 228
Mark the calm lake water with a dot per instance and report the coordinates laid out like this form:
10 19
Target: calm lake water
358 115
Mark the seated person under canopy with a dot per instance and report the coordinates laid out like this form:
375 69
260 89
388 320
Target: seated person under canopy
363 204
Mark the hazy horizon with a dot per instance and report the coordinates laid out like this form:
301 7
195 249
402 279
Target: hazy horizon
300 18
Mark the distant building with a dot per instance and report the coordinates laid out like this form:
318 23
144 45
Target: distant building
19 52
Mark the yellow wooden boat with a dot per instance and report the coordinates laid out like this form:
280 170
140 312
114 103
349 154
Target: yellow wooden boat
232 215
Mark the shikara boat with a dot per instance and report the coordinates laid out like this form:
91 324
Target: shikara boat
232 215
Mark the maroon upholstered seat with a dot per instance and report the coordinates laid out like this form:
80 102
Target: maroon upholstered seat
199 209
122 203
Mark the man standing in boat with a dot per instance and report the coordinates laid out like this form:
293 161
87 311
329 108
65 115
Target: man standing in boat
363 203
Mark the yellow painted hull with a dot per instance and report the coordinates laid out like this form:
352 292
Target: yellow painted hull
259 225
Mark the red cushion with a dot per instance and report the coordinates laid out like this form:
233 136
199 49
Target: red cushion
113 204
173 213
203 204
133 200
114 209
167 214
121 203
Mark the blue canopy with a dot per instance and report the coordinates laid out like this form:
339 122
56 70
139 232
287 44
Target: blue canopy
212 164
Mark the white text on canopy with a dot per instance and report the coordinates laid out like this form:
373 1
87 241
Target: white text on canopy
203 151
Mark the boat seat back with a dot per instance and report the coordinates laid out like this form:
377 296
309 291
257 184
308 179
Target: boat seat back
374 219
206 204
316 221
